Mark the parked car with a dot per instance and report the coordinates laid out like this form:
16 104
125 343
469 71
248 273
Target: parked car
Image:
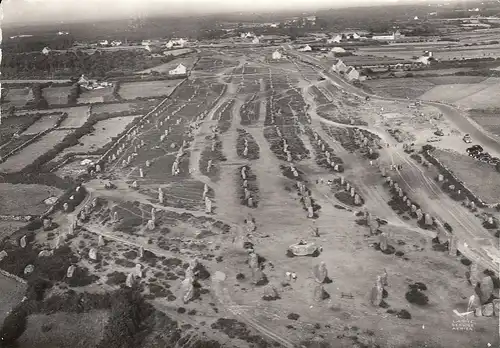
475 148
467 138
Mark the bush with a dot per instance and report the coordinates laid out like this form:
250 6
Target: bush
417 297
403 314
14 325
293 316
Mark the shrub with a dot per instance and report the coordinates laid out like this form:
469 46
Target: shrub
417 297
403 314
14 325
293 316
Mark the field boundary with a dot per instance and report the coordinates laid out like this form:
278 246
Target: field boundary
12 276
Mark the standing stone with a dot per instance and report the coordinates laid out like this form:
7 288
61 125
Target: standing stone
352 192
348 187
289 157
93 254
336 168
70 271
245 183
405 198
153 214
357 200
22 242
247 194
138 270
101 242
486 289
209 165
383 241
160 195
383 278
130 280
440 177
428 220
318 293
376 295
150 225
208 205
141 173
408 203
3 254
474 274
135 185
400 192
310 212
66 207
452 246
29 269
250 202
253 261
419 213
474 303
382 170
148 163
396 186
245 151
472 205
496 307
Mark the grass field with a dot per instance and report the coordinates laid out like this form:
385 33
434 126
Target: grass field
7 227
31 152
13 125
44 123
96 96
132 90
104 131
481 178
56 95
12 294
489 119
77 116
66 330
23 199
17 97
469 96
111 108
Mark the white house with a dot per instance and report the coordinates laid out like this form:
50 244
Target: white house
352 74
306 48
146 42
116 43
180 43
277 55
247 35
339 66
180 70
426 58
388 37
338 50
256 40
103 42
46 51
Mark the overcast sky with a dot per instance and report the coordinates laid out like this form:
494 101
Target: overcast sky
26 11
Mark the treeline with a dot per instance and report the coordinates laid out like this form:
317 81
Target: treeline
37 43
38 101
101 64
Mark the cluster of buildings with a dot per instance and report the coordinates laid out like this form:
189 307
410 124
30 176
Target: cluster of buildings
180 70
93 84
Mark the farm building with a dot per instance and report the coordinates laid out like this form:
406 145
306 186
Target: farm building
338 50
387 37
116 43
103 43
255 40
335 39
352 74
247 35
306 48
179 71
178 43
277 55
46 51
92 84
339 67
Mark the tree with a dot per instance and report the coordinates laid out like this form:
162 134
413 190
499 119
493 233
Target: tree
14 325
497 166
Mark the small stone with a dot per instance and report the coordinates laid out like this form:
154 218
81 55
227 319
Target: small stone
70 271
130 280
150 225
487 310
22 242
93 254
3 254
29 269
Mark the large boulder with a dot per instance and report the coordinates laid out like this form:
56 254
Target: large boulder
303 249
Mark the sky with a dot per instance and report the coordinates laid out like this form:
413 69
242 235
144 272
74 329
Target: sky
29 11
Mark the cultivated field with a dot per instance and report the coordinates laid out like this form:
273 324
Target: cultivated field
96 96
481 178
77 116
489 119
23 199
103 134
468 96
56 95
17 97
44 123
13 125
133 90
31 152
